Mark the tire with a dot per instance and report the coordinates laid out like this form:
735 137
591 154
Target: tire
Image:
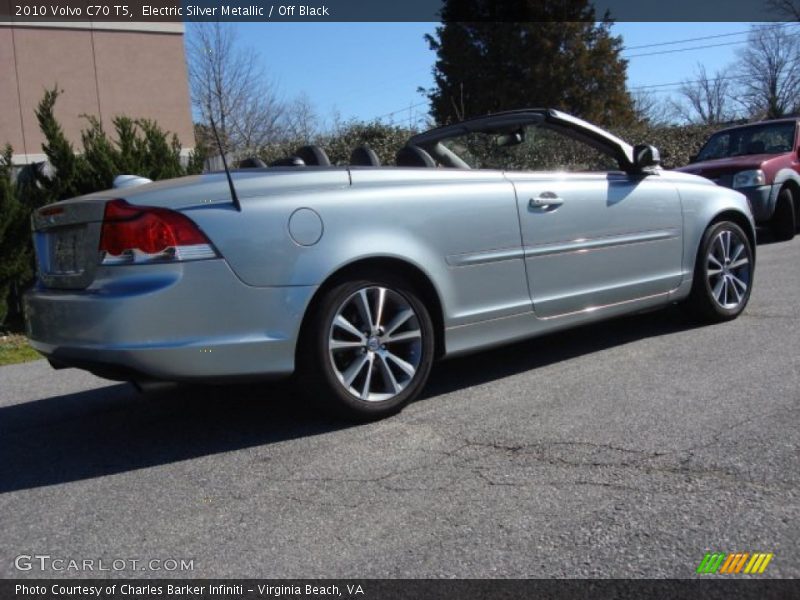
367 349
783 220
723 273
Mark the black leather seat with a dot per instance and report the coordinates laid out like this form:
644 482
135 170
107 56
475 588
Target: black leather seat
364 156
252 162
313 156
289 161
413 156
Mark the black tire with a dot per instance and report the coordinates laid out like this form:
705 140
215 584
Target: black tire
717 293
783 223
322 370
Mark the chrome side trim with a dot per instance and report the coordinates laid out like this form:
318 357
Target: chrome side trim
498 311
484 257
585 245
591 309
580 245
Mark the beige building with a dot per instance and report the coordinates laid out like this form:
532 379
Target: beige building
104 69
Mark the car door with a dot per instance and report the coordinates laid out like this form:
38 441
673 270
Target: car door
597 238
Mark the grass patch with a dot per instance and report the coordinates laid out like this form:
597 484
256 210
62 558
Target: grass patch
15 349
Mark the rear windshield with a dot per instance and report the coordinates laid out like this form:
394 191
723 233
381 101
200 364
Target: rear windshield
773 138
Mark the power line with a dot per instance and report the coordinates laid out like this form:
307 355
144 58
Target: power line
696 39
400 110
687 49
692 47
680 83
699 39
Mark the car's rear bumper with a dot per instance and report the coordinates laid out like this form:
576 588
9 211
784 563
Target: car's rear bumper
192 321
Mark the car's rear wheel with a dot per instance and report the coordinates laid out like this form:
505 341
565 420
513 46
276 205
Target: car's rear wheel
368 349
723 274
783 223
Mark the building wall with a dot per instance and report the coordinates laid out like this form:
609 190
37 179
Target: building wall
103 69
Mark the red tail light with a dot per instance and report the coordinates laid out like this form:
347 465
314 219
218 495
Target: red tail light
135 234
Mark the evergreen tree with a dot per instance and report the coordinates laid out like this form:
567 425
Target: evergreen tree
9 211
554 55
19 196
71 169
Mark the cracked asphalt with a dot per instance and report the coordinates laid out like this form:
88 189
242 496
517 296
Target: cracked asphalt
624 449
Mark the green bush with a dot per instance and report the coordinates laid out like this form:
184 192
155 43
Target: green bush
384 139
677 143
139 146
13 250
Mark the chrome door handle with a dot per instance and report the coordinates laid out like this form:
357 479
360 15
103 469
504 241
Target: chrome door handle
545 200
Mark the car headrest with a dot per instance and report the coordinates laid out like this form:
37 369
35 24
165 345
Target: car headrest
252 162
364 156
413 156
289 161
313 156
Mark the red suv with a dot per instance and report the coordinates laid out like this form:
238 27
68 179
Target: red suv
761 161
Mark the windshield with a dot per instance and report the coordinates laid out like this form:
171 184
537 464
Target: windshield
774 138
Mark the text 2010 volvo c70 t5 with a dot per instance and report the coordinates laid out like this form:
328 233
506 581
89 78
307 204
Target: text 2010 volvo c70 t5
358 277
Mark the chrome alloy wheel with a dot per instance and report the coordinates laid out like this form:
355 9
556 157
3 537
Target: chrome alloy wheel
728 269
375 343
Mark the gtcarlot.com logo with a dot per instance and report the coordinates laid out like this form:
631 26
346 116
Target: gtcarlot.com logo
734 562
46 562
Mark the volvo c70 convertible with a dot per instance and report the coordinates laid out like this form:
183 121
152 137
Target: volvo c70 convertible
356 278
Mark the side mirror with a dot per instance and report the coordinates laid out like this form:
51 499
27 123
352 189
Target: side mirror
645 156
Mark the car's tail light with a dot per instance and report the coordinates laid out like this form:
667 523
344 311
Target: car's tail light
144 234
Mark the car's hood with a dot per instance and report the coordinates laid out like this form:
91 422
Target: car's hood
732 164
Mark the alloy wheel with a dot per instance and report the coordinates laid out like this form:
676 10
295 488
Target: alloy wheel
728 269
375 343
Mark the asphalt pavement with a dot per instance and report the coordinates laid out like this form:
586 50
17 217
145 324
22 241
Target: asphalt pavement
624 449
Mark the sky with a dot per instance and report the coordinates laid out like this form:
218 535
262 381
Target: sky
373 70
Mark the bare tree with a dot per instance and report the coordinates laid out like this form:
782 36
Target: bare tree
770 67
649 108
704 99
229 85
302 122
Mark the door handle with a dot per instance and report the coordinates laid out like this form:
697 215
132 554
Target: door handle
546 200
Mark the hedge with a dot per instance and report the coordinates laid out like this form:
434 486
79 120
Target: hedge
676 143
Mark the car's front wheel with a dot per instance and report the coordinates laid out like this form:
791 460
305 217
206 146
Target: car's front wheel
723 274
368 349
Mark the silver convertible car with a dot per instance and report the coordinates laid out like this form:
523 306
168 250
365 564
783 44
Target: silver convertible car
357 278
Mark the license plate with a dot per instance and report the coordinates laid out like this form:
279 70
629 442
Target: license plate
65 251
